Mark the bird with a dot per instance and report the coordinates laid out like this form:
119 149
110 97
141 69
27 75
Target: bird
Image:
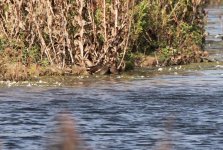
219 36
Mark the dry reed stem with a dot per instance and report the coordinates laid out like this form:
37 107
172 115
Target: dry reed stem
91 33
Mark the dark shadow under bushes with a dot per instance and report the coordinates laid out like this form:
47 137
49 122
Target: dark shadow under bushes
87 36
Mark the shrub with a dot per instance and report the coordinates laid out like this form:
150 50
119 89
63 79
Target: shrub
94 34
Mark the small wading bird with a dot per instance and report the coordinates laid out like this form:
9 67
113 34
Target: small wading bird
219 36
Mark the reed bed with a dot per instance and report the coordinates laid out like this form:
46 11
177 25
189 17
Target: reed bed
86 36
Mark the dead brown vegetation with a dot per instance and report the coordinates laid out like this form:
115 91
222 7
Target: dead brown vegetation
84 33
87 36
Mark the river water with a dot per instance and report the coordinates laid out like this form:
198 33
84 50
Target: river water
183 110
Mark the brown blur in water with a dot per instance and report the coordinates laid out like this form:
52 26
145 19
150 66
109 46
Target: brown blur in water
69 138
166 142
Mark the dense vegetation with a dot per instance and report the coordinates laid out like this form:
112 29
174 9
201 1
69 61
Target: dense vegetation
86 36
215 2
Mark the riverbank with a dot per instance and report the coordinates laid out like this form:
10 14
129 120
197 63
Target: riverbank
137 73
98 37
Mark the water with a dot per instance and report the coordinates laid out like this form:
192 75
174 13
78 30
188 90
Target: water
214 28
184 110
120 115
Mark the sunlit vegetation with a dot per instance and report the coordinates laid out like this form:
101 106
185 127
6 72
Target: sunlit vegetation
56 37
215 2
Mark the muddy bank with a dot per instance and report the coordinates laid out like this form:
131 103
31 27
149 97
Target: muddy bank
137 73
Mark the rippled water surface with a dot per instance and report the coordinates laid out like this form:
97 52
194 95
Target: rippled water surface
120 115
134 114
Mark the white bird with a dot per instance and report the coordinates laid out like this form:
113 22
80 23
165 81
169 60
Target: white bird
219 36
